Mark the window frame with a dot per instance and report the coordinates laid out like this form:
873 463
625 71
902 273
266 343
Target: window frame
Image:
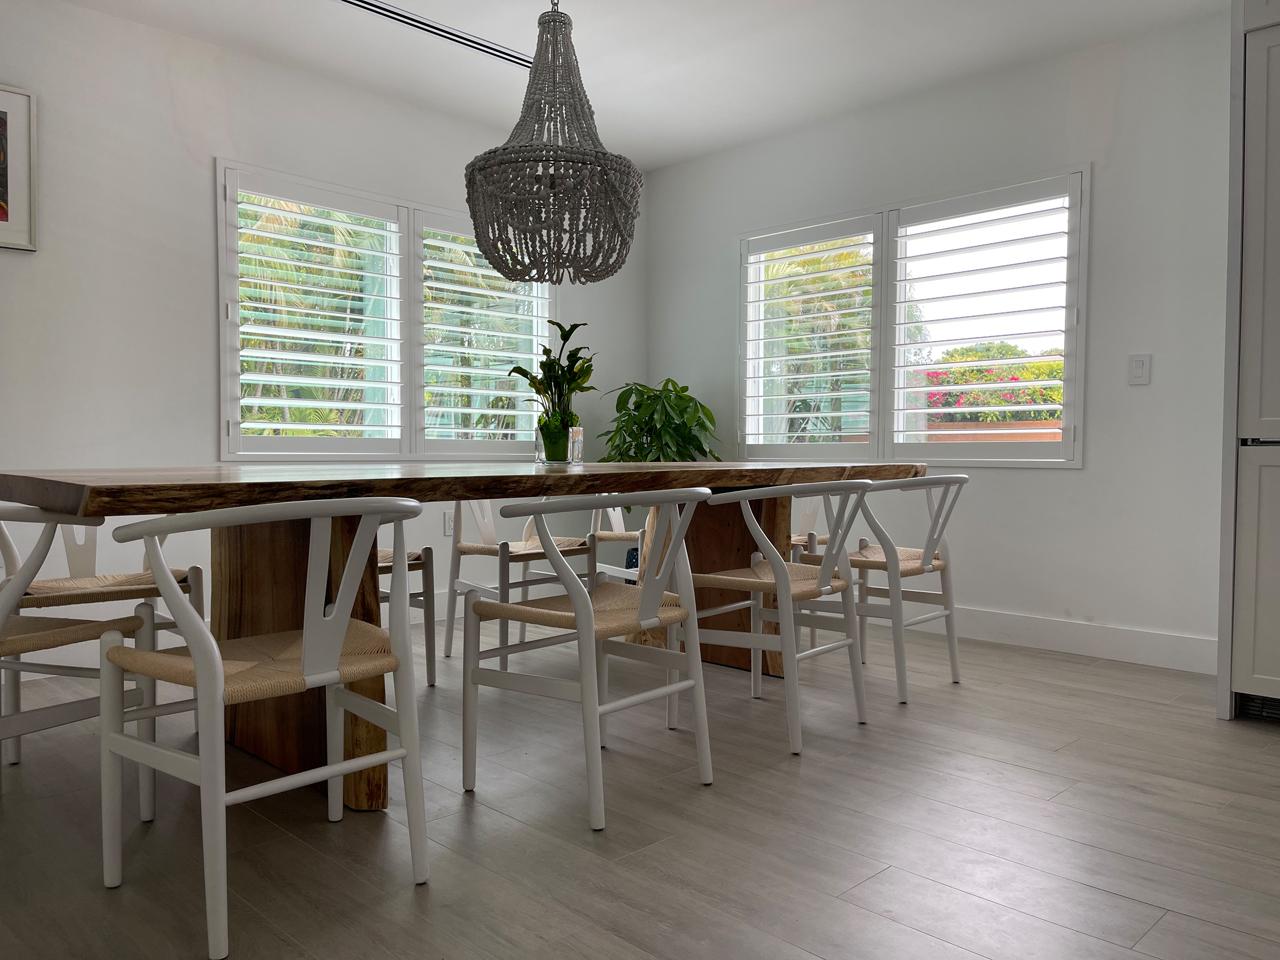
882 447
413 217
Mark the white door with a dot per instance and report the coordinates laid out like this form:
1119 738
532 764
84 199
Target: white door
1260 281
1255 648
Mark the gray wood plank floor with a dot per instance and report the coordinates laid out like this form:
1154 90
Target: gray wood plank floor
1051 806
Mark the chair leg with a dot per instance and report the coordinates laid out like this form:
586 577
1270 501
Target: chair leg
587 678
602 690
673 676
790 671
524 595
334 717
145 639
864 581
213 822
411 769
757 655
429 615
953 644
470 689
899 635
111 720
451 603
855 652
701 731
10 704
504 596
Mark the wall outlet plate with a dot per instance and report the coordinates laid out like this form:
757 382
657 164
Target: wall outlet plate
447 516
1139 369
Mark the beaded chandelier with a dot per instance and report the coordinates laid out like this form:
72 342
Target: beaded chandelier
551 202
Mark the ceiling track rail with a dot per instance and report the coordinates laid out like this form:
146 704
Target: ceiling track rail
405 18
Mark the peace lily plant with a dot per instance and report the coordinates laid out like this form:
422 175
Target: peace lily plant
560 377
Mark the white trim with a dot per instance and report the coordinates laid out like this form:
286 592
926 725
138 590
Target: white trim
1243 13
1154 648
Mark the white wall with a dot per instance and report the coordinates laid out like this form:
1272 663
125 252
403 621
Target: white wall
1119 558
108 334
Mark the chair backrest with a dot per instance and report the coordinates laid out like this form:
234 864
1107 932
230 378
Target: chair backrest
19 572
667 557
613 514
324 626
842 500
941 494
482 514
804 514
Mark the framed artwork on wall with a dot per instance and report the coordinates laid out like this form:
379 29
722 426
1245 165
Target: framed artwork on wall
17 169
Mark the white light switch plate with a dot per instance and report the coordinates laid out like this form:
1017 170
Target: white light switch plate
1139 369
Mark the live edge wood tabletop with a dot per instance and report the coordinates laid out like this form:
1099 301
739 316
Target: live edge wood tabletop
259 572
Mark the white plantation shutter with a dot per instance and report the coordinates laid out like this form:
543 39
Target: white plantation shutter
357 327
316 306
809 340
981 341
476 327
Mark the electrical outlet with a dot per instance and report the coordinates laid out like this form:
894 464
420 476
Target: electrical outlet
447 516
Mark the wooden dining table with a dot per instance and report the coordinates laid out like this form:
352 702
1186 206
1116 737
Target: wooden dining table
259 572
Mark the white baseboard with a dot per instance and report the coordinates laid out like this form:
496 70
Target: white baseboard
1154 648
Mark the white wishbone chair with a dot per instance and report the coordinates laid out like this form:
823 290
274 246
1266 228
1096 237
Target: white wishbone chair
616 532
329 651
83 584
593 614
804 518
423 562
795 586
24 635
899 563
527 550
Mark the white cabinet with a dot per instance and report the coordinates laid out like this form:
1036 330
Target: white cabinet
1259 410
1255 648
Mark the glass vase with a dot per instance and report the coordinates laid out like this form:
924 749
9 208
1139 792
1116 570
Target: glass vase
552 444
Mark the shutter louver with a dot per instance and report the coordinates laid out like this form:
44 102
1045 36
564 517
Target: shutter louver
476 327
319 321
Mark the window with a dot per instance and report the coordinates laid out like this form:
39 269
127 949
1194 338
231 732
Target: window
809 341
321 356
971 353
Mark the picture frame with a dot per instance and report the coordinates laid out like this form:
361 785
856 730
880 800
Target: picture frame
17 169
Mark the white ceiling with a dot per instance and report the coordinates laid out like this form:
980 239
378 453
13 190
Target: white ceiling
669 79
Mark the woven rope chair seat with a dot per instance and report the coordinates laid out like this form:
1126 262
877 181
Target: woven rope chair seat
68 591
616 607
759 578
528 550
31 634
265 666
802 539
617 536
387 557
910 560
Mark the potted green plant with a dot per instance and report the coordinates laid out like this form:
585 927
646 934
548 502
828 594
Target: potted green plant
561 375
662 423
